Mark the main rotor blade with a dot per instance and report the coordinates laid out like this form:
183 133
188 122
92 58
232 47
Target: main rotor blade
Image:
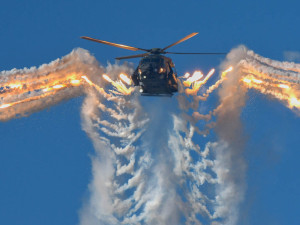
132 56
181 40
114 44
198 53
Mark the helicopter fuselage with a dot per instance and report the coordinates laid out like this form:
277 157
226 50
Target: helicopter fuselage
156 75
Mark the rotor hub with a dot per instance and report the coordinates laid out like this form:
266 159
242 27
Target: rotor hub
156 51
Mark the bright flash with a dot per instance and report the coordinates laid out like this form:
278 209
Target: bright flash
86 79
107 78
196 82
75 82
294 102
284 86
197 75
186 75
229 69
15 85
5 106
226 71
126 79
46 89
257 81
210 73
58 86
246 80
119 85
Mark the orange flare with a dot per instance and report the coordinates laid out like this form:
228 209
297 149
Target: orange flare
229 69
197 75
87 80
48 86
246 80
15 85
288 94
197 84
126 79
119 85
294 102
58 86
257 81
107 78
46 89
75 82
284 86
5 106
226 71
186 75
94 85
210 73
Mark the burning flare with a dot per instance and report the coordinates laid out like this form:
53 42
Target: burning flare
40 89
126 79
196 82
271 86
120 87
197 75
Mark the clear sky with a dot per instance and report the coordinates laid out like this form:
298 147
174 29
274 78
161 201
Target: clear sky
44 158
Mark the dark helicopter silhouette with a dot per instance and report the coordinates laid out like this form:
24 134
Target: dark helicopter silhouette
156 74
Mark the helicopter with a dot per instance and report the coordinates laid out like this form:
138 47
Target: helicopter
156 74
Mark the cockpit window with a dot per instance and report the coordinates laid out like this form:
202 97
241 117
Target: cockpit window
156 60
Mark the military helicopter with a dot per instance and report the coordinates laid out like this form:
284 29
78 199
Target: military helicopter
156 74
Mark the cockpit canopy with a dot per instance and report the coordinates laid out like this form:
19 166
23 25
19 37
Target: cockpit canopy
155 63
157 60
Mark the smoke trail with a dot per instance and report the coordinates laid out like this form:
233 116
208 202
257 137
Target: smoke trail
115 132
144 171
292 56
149 175
153 163
138 177
276 79
26 90
134 180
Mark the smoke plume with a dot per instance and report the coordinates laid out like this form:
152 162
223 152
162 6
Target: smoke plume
157 160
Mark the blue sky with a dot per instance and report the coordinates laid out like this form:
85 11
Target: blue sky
44 158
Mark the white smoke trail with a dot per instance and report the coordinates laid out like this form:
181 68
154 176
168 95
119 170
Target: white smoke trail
158 174
152 163
276 79
115 131
268 77
149 175
292 56
33 89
